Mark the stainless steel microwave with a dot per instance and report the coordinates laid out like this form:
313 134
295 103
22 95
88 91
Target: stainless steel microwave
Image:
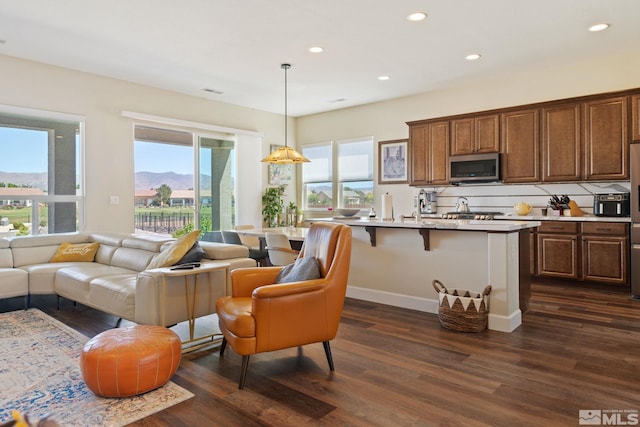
474 168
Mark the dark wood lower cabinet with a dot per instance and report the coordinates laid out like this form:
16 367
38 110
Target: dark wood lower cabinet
589 251
605 259
558 255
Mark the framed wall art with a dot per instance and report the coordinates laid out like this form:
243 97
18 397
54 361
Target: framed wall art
392 162
279 174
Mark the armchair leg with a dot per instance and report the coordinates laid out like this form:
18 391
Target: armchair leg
327 351
243 371
223 346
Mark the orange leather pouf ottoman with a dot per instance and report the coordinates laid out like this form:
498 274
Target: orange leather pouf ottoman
128 361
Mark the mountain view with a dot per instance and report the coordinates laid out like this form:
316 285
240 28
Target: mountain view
35 179
144 180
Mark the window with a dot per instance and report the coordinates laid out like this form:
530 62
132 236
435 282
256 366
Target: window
355 173
351 187
40 172
172 195
317 176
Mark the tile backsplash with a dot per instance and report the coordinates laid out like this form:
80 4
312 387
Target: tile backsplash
502 197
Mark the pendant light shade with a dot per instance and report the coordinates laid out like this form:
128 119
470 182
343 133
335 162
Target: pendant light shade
285 155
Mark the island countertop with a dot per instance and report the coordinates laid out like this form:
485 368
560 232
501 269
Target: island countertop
498 226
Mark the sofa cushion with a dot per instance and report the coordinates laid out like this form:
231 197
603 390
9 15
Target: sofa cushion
174 251
74 282
6 258
42 276
15 283
81 252
147 243
30 250
115 294
133 259
195 254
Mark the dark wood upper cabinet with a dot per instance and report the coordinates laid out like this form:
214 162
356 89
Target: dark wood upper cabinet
478 134
635 118
576 139
520 141
606 139
428 149
562 148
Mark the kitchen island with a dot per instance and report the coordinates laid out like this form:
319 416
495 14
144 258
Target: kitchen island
395 263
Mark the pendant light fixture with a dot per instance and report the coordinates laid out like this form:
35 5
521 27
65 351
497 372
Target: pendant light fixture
285 155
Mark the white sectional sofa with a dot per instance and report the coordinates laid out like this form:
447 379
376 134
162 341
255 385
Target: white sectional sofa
117 281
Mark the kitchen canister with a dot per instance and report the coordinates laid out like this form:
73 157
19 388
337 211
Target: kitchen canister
462 310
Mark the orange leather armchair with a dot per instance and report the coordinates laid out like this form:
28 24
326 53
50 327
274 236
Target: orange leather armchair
261 316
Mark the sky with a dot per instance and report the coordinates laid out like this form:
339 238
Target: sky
154 157
23 150
26 151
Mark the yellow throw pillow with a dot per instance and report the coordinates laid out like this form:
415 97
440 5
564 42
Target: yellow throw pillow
175 251
84 252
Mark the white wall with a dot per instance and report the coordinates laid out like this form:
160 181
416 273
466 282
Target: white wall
109 136
387 121
109 146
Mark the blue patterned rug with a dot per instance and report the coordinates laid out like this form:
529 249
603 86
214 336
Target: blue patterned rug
40 376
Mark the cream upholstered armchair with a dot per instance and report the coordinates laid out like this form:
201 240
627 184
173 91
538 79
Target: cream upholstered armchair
261 316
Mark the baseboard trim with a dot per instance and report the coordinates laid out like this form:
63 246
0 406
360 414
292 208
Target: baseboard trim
505 323
496 322
396 300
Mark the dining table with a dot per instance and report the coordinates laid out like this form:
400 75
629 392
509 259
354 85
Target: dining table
296 235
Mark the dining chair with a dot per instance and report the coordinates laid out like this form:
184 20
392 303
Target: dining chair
212 236
261 316
251 241
279 249
261 256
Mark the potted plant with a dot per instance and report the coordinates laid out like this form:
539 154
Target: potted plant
292 215
273 205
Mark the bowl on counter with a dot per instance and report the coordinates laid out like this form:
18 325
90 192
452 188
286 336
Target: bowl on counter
348 212
522 208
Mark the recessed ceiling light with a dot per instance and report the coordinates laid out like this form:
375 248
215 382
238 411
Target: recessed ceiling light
217 92
473 56
598 27
384 78
417 16
316 49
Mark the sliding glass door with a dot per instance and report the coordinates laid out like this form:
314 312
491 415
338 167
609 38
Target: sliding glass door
185 180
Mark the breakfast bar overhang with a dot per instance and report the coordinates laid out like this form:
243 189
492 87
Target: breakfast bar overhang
395 262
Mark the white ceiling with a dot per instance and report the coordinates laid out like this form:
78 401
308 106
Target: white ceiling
236 46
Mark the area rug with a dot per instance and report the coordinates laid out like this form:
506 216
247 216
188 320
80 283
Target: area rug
40 376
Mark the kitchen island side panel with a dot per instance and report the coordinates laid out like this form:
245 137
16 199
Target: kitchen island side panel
399 271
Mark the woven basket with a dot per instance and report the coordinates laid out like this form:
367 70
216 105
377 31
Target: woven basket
461 309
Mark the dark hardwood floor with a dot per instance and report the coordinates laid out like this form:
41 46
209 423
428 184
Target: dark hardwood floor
578 349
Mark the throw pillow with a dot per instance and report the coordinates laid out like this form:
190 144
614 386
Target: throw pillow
195 254
175 251
83 252
305 268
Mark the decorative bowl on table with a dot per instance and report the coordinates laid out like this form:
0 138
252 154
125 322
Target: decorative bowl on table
348 212
522 208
